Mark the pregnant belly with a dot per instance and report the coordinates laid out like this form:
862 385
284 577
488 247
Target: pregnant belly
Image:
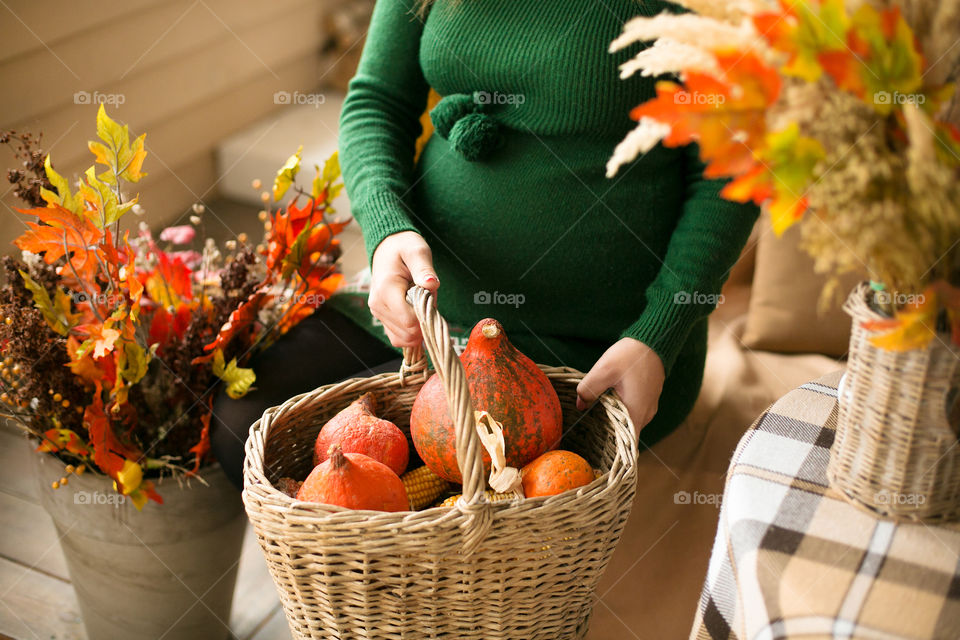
537 234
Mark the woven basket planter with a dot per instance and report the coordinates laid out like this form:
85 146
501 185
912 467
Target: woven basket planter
478 570
895 451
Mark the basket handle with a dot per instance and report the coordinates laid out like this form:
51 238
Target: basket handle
436 339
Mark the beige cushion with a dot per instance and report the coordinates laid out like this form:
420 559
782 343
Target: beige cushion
783 314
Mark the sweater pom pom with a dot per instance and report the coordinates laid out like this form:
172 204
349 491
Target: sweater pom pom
449 110
475 135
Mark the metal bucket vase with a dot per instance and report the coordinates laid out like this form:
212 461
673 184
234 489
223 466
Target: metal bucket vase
165 572
896 450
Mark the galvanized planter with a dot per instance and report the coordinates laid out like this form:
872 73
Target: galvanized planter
165 572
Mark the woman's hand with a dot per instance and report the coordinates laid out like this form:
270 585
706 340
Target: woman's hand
635 371
400 259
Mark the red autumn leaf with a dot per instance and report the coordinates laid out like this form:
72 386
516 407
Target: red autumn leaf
240 319
845 66
108 452
166 326
202 449
148 488
170 281
176 274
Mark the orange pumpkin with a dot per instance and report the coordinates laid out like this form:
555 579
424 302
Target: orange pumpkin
357 429
555 472
354 481
502 381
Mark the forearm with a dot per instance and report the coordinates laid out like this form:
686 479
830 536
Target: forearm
379 123
704 246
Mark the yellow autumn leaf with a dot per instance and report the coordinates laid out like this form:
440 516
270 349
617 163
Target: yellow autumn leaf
820 27
129 477
100 153
911 328
62 305
111 132
238 379
317 187
331 168
133 171
63 196
138 498
41 300
287 174
132 363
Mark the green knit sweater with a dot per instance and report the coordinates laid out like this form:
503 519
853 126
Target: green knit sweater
510 191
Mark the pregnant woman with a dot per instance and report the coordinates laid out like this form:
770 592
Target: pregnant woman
507 212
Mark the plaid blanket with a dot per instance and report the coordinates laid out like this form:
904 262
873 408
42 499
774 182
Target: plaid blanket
793 559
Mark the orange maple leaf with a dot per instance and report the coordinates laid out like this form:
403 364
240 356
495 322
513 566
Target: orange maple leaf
319 289
286 227
56 439
61 233
725 115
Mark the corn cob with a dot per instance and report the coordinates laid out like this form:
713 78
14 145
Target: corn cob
423 487
492 496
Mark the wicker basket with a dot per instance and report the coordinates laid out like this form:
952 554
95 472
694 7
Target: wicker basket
895 451
505 570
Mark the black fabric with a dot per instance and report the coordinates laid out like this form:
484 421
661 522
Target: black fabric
325 347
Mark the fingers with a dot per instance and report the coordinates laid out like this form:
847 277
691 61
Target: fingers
388 303
418 260
598 380
637 374
399 260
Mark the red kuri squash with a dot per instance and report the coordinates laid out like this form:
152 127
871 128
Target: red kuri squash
357 429
354 481
502 381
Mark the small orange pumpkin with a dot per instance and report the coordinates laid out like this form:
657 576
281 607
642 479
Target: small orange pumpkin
354 481
555 472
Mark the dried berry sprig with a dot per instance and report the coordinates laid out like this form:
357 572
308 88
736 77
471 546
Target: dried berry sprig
32 177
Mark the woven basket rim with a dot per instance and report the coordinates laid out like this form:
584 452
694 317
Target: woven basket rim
329 513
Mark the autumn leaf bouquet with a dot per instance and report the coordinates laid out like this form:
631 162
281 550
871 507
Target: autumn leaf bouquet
113 342
833 115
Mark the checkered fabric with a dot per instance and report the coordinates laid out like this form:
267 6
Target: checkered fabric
793 559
